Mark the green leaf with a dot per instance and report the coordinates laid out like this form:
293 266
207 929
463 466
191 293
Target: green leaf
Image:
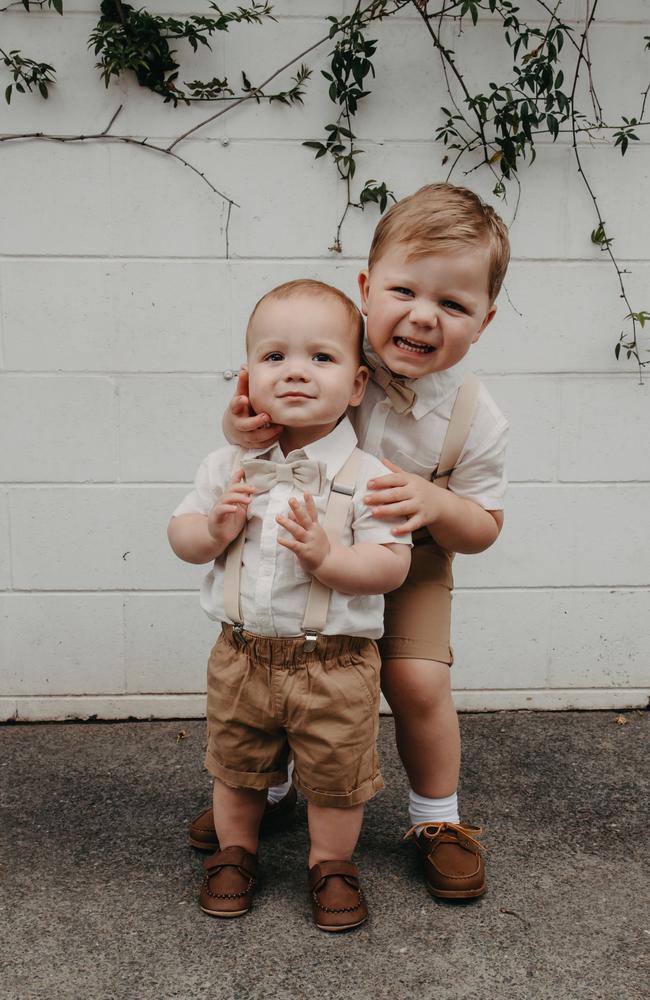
8 94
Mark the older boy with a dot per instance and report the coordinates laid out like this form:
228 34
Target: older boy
436 265
272 688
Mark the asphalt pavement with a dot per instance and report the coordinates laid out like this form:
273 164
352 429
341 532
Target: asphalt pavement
99 889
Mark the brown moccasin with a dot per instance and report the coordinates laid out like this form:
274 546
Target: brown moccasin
337 902
202 834
452 856
229 883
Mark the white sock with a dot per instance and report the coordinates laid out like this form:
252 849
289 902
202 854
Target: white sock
277 792
424 810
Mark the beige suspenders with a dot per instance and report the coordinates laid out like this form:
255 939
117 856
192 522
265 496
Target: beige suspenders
338 505
460 422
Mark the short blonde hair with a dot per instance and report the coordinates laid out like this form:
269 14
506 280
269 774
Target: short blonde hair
444 218
315 289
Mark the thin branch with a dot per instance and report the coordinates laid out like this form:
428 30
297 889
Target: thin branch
601 222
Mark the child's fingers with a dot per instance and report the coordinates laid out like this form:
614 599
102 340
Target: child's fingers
267 435
392 466
242 382
240 406
403 509
299 513
310 507
412 524
386 482
394 495
295 529
259 421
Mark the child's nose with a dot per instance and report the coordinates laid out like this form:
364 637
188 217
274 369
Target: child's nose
423 313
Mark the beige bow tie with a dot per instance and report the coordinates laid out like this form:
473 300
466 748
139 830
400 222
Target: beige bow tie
305 474
401 396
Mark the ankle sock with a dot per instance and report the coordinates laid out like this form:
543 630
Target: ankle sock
424 810
277 792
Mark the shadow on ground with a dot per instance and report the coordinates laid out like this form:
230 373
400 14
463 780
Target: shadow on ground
100 892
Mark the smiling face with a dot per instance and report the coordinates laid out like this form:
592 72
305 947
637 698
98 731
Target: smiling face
303 365
424 313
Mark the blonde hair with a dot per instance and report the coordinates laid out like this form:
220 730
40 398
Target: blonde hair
444 218
315 289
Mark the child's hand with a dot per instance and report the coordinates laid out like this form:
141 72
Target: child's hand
404 494
228 516
308 539
242 426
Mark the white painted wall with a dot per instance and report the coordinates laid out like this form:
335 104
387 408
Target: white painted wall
120 317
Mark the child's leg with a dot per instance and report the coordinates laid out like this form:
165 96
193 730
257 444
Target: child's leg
333 832
237 815
426 724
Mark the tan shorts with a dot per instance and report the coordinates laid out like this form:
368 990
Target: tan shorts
417 617
270 697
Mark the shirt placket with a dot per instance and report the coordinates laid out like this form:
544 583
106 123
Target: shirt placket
269 560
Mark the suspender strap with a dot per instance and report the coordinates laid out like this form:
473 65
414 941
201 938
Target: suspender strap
232 573
318 600
460 422
336 514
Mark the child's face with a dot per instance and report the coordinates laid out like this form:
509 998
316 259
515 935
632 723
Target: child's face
425 313
303 365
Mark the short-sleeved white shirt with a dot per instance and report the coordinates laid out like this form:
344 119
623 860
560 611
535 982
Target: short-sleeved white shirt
414 440
274 587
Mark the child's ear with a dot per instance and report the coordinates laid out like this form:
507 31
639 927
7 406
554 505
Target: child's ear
364 286
359 387
489 316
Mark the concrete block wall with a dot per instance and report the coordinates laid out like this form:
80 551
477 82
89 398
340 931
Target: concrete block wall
122 321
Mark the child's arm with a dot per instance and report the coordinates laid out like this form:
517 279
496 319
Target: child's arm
200 538
455 523
242 426
362 568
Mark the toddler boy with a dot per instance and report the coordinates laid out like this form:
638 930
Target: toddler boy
436 265
276 683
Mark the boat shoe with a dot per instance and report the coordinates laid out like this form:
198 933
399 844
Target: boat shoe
202 834
337 902
452 858
229 883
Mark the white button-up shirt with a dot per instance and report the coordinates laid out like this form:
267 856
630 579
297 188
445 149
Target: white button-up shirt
414 440
274 587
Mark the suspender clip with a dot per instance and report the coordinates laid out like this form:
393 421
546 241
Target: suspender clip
238 635
311 638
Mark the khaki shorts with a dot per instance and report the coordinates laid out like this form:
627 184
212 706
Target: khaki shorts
417 616
270 697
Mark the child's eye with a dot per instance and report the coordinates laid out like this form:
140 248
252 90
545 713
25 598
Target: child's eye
456 306
322 356
403 291
274 356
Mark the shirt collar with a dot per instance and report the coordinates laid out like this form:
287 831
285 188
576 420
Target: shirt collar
430 390
333 450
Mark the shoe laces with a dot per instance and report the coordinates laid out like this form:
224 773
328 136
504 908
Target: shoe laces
434 831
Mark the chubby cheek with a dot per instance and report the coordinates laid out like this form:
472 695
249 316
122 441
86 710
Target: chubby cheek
258 393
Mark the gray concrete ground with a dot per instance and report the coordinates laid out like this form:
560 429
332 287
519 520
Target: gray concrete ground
99 890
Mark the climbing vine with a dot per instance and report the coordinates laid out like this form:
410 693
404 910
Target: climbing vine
497 128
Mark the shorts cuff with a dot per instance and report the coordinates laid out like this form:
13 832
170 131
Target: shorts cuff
394 648
340 800
258 780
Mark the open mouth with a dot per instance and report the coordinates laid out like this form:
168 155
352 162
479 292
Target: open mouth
413 346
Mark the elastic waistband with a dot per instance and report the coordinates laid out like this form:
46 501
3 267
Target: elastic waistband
289 651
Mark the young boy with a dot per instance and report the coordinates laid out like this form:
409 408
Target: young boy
436 264
276 682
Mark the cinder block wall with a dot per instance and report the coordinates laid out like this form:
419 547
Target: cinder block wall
122 321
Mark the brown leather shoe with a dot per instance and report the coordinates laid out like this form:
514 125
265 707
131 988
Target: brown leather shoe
337 902
203 836
229 883
453 865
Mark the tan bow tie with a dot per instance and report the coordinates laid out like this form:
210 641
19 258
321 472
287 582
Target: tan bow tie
305 474
401 396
